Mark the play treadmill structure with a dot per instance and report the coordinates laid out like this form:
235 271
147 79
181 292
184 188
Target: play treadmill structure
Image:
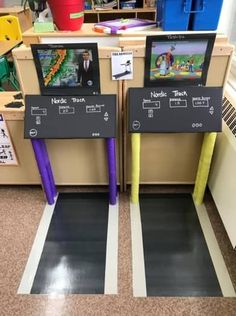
171 258
78 244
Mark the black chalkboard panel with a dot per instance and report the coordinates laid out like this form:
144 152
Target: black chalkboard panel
175 110
70 116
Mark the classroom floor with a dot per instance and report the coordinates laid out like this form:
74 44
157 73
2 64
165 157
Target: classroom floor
21 209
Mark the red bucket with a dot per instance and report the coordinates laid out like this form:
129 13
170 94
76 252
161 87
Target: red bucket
68 15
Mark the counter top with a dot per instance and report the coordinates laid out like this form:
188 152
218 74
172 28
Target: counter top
13 114
7 46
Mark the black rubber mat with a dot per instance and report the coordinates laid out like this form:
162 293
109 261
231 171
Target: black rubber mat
73 257
177 260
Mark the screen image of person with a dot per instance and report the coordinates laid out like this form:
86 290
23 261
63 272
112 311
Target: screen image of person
85 71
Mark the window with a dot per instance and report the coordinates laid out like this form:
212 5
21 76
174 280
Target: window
232 39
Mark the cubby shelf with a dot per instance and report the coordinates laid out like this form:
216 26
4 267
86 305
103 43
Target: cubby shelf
142 11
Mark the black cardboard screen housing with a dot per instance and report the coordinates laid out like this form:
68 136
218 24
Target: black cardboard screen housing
181 59
61 68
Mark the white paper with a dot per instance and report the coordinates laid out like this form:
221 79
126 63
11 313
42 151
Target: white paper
7 152
122 65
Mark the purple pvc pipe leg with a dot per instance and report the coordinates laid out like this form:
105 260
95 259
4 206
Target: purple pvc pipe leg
111 157
48 166
39 156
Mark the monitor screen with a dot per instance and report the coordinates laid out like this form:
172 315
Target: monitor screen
67 69
181 59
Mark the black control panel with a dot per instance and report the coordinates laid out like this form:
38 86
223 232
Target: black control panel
175 109
70 116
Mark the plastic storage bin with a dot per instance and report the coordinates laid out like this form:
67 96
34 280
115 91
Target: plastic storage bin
173 15
183 15
207 14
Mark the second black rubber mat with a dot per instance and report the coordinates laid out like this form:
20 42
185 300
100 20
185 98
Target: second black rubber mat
177 260
74 254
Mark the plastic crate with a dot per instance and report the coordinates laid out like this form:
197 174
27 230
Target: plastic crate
173 15
183 15
206 16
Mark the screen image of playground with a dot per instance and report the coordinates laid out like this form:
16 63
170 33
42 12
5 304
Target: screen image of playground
60 67
176 61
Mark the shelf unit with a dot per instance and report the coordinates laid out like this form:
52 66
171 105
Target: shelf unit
24 16
143 10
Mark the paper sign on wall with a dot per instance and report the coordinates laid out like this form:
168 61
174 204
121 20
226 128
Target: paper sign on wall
122 65
7 152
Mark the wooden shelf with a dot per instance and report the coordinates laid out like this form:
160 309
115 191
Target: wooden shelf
24 16
116 11
142 11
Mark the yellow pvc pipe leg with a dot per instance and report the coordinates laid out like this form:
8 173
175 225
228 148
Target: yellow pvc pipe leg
135 144
204 167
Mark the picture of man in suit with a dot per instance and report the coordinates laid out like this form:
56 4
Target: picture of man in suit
85 72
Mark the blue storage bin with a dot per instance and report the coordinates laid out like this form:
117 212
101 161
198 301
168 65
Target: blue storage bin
173 15
206 16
